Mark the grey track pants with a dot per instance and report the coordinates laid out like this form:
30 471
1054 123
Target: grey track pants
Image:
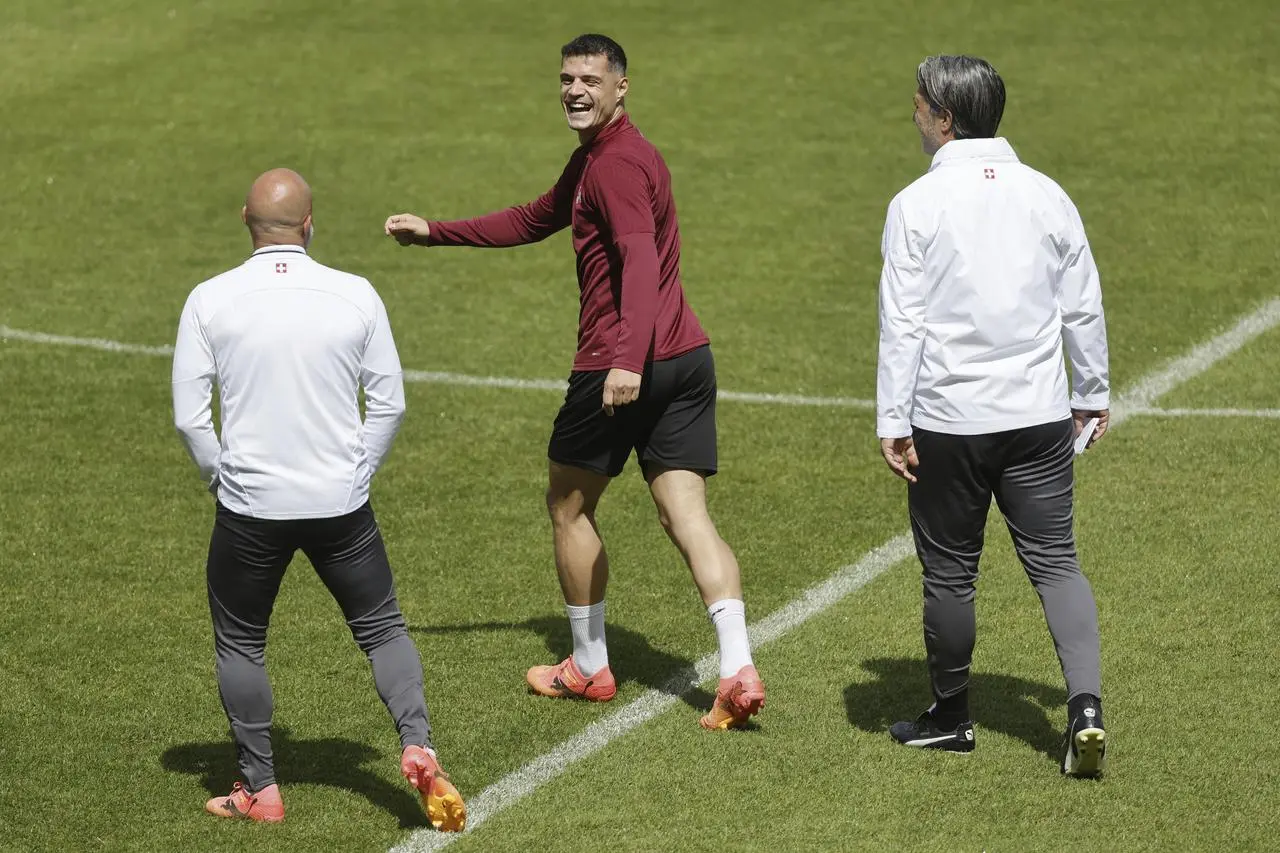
247 561
1029 472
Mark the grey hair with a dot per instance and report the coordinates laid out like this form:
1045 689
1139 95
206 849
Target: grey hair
968 88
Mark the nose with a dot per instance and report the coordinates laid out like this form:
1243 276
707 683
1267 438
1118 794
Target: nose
574 89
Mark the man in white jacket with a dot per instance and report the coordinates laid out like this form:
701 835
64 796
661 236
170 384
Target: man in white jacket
289 342
986 272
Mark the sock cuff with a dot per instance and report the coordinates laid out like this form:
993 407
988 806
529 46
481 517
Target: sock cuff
576 612
718 610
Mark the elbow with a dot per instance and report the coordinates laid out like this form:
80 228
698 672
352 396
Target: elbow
392 413
395 409
186 427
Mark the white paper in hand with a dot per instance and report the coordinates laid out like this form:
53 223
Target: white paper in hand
1082 440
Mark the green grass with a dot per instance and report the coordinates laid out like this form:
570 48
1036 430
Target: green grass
131 135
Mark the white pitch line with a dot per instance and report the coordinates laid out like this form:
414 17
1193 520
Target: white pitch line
1208 413
517 785
9 334
520 783
436 377
1144 394
797 400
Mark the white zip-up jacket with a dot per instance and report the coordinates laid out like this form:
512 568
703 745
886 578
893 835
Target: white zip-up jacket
289 342
986 271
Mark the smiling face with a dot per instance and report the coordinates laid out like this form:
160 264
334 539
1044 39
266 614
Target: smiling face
591 94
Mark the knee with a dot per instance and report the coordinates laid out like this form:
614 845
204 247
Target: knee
667 522
566 509
686 525
381 626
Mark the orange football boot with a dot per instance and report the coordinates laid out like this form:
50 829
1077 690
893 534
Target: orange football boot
566 681
265 806
738 698
440 799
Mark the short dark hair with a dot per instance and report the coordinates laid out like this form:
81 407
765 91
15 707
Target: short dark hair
968 88
594 44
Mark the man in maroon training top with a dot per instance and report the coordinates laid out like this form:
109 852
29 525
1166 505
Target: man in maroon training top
643 378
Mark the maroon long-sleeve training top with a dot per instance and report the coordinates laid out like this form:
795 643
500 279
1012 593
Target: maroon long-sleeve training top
616 193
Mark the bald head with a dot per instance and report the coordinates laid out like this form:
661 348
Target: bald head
278 208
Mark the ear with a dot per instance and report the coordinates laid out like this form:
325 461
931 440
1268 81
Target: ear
623 85
945 122
244 214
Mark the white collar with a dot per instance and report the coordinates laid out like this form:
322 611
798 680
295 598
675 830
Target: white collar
997 149
283 247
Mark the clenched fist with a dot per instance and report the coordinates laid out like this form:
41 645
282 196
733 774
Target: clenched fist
408 229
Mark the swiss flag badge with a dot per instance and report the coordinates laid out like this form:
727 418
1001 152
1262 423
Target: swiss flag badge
282 267
989 174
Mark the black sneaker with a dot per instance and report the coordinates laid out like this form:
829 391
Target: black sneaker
923 733
1086 750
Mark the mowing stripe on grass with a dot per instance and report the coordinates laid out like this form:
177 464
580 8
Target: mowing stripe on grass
518 784
437 377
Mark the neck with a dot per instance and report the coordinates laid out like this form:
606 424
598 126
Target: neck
262 241
589 134
943 143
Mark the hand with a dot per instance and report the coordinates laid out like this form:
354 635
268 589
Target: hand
407 229
900 454
1081 417
620 388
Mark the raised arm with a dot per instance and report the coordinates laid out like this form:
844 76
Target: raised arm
515 226
193 375
383 383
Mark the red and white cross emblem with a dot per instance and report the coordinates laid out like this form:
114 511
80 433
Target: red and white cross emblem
282 267
989 174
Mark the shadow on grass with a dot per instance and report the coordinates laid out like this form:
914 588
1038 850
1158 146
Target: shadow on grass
631 656
1002 703
334 762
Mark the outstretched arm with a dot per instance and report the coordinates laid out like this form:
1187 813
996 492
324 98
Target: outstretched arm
515 226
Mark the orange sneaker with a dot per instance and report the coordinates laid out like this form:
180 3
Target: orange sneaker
738 697
265 805
566 681
440 799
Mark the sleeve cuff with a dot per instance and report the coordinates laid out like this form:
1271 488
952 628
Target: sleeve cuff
892 428
627 364
1091 402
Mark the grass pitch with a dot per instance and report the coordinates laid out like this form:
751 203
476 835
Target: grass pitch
133 129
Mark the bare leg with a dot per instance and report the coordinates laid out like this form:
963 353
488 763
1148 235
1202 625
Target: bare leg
581 562
681 499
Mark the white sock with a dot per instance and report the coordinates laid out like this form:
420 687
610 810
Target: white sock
729 615
589 650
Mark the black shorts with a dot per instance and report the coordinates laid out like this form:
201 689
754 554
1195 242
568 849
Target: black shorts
672 424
